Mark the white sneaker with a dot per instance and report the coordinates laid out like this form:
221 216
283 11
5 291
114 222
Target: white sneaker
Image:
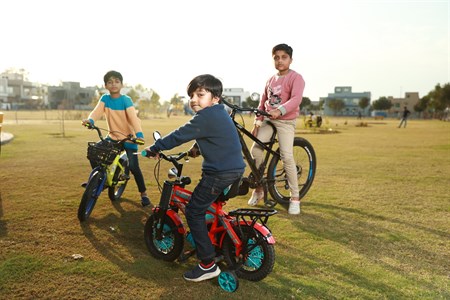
294 207
256 196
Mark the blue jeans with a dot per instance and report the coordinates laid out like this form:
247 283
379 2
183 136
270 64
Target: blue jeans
133 162
205 193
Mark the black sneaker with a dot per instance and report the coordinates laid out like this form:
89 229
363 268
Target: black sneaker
199 273
84 184
145 201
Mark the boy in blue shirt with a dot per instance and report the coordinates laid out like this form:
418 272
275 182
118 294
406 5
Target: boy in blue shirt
121 117
218 142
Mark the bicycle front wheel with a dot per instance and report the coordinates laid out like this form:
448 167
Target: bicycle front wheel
305 161
120 181
171 243
89 197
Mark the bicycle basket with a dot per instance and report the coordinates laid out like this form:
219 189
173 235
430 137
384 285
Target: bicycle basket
102 153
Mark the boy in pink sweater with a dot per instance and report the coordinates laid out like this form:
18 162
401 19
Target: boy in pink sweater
281 99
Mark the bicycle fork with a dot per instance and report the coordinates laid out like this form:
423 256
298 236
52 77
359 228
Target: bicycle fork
102 180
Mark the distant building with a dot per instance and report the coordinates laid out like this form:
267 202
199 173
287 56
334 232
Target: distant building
235 96
398 104
350 99
4 91
16 92
71 96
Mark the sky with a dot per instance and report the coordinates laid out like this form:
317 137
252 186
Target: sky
383 47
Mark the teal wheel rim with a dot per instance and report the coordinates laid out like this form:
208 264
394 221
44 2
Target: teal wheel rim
228 281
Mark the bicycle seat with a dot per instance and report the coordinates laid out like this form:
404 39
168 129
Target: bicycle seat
238 187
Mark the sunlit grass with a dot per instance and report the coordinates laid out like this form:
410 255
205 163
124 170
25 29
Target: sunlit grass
374 225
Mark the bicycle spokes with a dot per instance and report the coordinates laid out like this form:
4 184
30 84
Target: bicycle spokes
255 256
165 244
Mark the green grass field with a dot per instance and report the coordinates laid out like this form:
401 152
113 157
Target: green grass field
375 224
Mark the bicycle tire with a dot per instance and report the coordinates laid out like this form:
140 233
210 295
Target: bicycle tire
115 192
305 160
89 197
171 245
257 263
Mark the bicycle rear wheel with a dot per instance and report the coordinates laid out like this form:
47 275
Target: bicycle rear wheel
305 161
259 256
120 181
89 197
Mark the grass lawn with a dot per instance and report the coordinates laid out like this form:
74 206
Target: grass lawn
374 225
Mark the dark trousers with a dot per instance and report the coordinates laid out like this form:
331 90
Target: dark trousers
205 193
133 162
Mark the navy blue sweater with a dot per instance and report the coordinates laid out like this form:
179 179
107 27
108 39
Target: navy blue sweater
216 137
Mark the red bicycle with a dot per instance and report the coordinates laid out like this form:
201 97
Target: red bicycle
241 237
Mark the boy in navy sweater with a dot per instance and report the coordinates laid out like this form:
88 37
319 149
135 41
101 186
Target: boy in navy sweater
218 142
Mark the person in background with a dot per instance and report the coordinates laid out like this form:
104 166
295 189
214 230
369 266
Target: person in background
218 142
404 118
282 96
120 115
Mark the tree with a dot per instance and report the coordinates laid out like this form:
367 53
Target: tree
177 102
134 95
382 103
422 105
321 103
250 103
336 105
306 102
140 87
363 103
149 105
440 97
154 99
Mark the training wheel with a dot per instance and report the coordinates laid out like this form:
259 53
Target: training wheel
228 281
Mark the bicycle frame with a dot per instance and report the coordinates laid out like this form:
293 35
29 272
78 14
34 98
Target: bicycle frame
109 171
268 147
174 196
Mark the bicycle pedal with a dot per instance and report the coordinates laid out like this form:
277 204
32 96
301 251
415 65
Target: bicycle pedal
124 177
269 203
185 256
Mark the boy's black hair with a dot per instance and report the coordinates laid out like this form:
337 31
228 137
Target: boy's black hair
111 74
208 82
283 47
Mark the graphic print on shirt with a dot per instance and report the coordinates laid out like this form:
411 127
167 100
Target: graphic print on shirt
274 96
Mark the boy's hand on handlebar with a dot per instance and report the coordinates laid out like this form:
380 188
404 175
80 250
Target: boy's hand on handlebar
194 151
87 123
139 141
274 114
149 153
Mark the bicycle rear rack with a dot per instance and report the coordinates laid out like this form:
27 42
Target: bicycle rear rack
255 214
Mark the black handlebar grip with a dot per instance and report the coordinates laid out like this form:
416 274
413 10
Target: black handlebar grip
146 153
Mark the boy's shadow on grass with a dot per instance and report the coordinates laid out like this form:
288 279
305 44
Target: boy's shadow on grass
120 239
358 230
